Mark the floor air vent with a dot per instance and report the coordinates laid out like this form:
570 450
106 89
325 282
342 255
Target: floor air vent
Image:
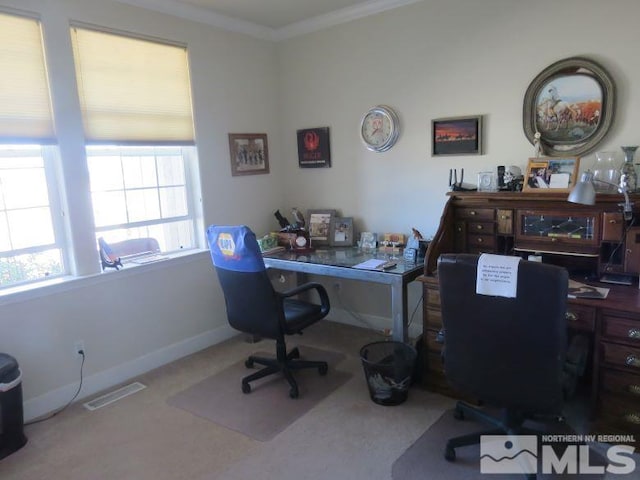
114 396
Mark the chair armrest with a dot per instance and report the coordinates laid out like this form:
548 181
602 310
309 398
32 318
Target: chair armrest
322 293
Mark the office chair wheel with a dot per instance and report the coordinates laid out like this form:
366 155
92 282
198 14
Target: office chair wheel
323 370
450 454
248 363
293 392
246 388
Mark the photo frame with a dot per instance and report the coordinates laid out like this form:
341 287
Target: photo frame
342 234
249 153
551 174
456 136
313 148
570 105
319 225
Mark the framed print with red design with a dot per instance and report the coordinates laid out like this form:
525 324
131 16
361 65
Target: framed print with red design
313 148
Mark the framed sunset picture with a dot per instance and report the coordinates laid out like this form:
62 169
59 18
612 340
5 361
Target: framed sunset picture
456 136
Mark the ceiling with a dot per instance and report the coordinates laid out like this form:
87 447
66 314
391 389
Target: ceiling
271 19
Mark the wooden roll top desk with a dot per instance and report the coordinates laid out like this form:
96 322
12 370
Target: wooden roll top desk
590 241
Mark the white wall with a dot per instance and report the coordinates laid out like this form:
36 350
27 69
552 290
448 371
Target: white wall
134 321
432 59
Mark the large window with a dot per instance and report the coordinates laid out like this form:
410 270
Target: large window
136 108
31 242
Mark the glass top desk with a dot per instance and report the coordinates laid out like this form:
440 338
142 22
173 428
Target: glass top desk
339 261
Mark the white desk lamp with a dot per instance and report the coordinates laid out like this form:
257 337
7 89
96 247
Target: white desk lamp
585 193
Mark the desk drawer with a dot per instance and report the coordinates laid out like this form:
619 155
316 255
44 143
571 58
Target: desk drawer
433 320
621 356
581 318
431 339
624 329
432 296
622 383
481 228
475 213
481 241
619 412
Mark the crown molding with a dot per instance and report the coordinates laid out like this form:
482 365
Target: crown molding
338 17
203 15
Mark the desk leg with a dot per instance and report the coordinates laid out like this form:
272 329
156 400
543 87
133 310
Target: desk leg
399 311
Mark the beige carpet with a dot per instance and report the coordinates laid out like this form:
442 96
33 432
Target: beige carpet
142 437
427 454
267 410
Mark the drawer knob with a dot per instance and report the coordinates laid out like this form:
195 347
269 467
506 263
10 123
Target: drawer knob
632 418
571 317
479 227
613 222
632 361
479 240
473 212
634 333
554 239
635 389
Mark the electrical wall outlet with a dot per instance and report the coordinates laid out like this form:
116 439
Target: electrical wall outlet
78 347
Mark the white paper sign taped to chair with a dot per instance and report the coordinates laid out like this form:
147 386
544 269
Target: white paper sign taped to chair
497 275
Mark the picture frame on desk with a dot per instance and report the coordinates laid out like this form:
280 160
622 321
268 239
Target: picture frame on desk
319 224
342 234
551 174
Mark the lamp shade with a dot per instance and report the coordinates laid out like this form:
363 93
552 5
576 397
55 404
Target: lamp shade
584 192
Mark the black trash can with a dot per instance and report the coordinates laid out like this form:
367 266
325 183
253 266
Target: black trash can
12 435
388 369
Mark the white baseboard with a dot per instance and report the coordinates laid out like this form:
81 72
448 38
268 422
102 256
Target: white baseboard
372 322
51 401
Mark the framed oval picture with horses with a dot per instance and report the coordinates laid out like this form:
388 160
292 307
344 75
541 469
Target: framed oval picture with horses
571 106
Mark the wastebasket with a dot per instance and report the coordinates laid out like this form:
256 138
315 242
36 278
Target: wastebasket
12 435
388 368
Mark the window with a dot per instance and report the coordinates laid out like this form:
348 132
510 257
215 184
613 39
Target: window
135 98
142 192
31 238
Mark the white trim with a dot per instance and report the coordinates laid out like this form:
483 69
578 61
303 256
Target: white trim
32 291
203 15
338 17
373 322
206 16
50 401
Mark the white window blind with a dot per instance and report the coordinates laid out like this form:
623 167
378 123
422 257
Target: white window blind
132 91
25 105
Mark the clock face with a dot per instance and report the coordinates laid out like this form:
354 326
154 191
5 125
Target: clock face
379 129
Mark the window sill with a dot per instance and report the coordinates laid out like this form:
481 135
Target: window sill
63 284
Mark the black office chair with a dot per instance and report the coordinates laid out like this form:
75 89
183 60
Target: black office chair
254 307
505 352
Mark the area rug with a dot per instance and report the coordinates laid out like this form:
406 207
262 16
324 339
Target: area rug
267 410
425 458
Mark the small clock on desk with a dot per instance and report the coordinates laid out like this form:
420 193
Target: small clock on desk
380 128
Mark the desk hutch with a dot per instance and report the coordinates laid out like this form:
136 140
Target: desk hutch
589 241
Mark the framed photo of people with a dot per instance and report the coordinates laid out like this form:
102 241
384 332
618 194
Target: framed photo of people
551 174
249 153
